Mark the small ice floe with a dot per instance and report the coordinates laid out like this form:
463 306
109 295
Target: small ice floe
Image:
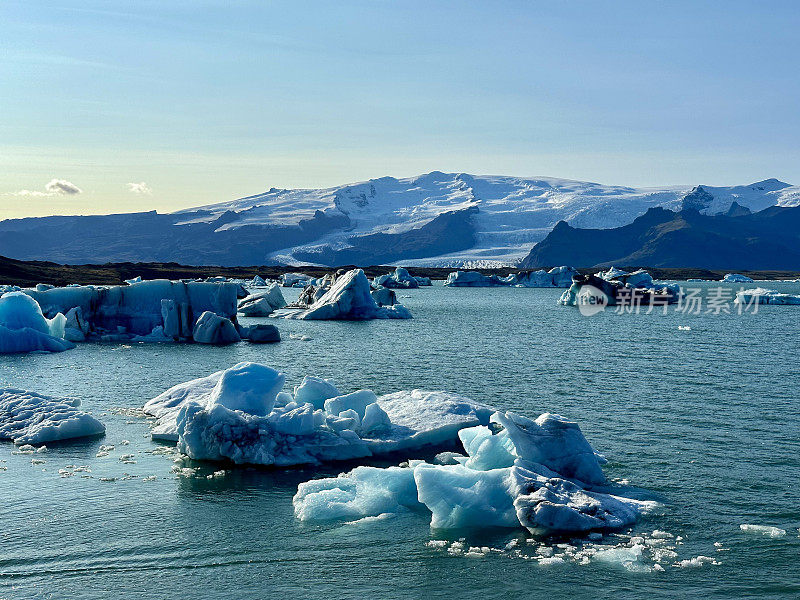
127 459
765 530
30 418
37 461
108 479
149 478
697 561
684 328
300 337
104 450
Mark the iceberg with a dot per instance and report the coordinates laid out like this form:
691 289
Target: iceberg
139 308
507 479
350 298
258 281
400 279
765 296
210 328
23 327
241 414
264 303
31 418
736 278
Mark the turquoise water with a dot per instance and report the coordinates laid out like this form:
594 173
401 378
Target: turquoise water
706 420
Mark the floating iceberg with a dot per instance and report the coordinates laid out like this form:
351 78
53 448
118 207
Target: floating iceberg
764 296
258 281
507 479
349 298
765 530
400 279
736 278
30 418
210 328
23 327
241 415
264 303
139 308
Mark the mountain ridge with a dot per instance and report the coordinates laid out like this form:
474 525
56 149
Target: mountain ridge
435 219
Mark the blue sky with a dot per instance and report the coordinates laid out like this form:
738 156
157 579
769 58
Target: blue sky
198 102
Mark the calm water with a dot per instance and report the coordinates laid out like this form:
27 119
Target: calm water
707 420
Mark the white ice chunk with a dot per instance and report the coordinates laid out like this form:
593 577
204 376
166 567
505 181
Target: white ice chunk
356 401
248 387
765 530
315 390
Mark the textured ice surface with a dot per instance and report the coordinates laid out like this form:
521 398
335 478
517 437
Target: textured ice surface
31 418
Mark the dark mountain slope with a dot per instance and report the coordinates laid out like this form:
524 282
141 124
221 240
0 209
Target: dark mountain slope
768 239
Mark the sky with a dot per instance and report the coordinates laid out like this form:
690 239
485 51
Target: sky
132 106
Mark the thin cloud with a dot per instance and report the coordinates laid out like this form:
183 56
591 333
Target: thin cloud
140 188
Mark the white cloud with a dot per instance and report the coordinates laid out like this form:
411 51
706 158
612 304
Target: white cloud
140 188
56 187
62 186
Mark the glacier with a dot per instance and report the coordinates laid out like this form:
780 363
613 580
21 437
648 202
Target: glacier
30 418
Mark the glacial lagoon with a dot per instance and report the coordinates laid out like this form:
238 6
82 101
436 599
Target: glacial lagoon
700 412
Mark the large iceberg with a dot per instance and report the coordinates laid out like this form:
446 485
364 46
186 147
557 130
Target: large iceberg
242 415
264 303
350 298
23 327
31 418
542 475
156 310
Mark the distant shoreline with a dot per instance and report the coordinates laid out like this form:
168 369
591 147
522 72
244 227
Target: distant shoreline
28 273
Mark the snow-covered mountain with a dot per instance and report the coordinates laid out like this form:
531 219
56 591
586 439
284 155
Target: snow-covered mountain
513 213
437 219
